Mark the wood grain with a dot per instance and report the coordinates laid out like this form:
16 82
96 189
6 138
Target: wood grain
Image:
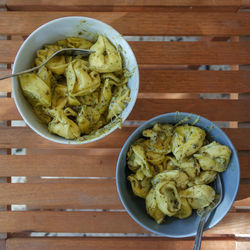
242 204
216 110
193 81
168 53
101 243
6 83
124 3
90 194
245 3
168 24
73 165
102 222
8 50
75 161
58 165
243 245
192 53
185 81
24 137
244 165
243 193
78 194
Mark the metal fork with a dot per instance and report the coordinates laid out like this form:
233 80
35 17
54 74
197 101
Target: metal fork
207 212
68 51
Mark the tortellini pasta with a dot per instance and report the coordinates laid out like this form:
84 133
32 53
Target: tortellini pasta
214 157
78 95
172 168
152 207
106 58
199 196
186 141
35 89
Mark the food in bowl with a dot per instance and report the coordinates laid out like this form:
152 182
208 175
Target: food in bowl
59 29
77 95
172 167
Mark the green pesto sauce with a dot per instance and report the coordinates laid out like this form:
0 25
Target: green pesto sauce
117 123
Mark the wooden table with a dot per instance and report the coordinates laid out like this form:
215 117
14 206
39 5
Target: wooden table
169 81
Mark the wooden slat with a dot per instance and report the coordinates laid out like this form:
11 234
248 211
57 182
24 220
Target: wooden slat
23 137
79 165
237 136
243 245
122 6
242 204
196 24
245 3
9 112
74 151
168 53
117 243
58 165
143 6
90 194
192 81
185 81
229 110
244 165
243 192
207 108
87 194
124 3
5 84
102 222
8 50
192 53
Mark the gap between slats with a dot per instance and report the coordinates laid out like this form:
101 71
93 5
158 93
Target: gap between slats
168 53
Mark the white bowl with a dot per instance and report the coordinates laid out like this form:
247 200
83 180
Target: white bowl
53 31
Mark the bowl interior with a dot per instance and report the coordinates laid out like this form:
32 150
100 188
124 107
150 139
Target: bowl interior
174 227
58 29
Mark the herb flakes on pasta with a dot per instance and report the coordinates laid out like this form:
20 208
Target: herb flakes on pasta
172 168
78 96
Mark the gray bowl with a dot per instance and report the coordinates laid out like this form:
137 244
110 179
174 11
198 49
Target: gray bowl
173 227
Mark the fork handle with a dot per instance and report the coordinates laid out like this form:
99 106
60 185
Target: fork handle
197 242
9 76
22 72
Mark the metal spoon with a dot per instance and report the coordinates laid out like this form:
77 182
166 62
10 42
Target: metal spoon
68 51
207 212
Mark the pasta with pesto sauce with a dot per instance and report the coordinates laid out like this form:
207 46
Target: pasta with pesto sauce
77 95
171 168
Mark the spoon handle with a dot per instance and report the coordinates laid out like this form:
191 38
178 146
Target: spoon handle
197 243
